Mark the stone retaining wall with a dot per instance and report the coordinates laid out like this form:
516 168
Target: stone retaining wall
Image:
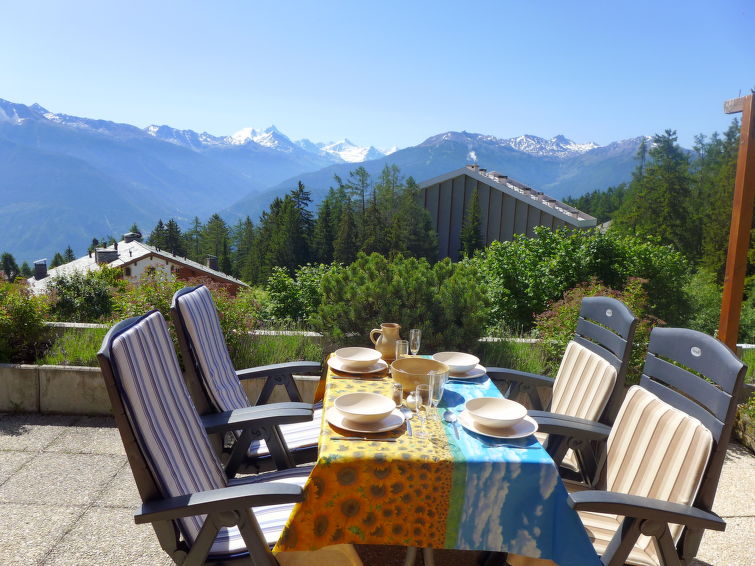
81 390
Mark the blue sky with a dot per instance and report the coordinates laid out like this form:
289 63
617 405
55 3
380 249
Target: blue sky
385 73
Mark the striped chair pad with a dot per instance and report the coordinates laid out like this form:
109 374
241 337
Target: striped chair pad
157 403
271 518
654 450
582 388
203 326
298 436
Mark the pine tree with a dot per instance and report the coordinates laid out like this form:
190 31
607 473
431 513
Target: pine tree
174 241
471 234
657 203
26 270
214 238
345 246
326 225
57 260
135 230
9 266
243 237
193 239
157 237
68 255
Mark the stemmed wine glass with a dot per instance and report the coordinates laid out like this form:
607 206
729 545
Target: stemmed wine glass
415 336
423 402
438 379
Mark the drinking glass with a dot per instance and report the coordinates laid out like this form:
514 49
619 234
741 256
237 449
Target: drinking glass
438 379
402 349
423 401
398 393
415 336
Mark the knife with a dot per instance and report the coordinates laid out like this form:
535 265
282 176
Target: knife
364 438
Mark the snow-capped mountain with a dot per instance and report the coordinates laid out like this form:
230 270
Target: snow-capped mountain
350 152
559 146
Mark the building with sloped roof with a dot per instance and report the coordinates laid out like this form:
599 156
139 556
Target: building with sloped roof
134 258
507 207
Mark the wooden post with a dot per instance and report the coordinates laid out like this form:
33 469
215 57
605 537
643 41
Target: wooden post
741 222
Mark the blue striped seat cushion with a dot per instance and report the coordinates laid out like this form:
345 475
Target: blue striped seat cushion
271 518
299 436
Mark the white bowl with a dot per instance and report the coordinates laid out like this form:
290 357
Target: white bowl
457 362
358 358
365 408
495 412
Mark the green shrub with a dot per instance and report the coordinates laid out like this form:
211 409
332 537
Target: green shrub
523 275
85 297
259 350
704 295
23 334
75 347
556 326
296 298
154 290
445 300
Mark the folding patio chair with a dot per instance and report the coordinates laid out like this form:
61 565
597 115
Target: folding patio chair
589 384
199 516
664 454
216 388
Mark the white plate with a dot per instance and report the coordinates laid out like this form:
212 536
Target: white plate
337 364
392 421
477 371
523 428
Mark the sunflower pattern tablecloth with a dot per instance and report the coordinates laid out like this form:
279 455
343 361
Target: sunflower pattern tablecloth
439 492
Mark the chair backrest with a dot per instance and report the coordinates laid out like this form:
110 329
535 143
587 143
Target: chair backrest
210 374
606 328
694 380
169 452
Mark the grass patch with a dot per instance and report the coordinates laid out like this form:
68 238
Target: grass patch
513 355
260 350
748 357
75 347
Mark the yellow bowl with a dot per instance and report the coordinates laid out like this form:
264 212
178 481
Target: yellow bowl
410 372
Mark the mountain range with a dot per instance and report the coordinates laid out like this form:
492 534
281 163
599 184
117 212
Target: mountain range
66 179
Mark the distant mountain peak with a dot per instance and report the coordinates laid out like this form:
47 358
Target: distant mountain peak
41 109
559 146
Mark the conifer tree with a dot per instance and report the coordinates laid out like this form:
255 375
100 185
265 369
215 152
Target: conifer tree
68 255
193 239
658 199
214 238
26 270
9 266
135 230
345 246
57 260
158 235
244 243
471 233
174 241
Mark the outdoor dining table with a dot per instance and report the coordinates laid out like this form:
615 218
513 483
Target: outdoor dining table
468 493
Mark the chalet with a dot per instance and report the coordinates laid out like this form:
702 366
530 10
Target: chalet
507 207
135 258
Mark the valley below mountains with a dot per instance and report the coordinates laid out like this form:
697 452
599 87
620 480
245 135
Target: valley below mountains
65 179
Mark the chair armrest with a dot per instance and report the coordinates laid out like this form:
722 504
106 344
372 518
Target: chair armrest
276 369
569 427
645 508
522 377
275 414
237 497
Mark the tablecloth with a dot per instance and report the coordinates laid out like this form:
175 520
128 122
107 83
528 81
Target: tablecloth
439 492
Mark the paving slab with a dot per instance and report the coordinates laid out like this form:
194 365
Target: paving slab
11 462
89 435
31 431
61 479
733 547
29 532
107 536
120 492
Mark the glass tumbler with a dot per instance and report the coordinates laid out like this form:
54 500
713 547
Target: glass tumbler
415 337
402 349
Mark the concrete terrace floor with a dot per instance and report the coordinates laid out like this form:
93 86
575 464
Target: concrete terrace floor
67 498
